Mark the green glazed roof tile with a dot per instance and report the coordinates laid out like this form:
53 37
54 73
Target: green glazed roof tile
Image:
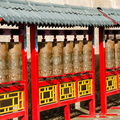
25 11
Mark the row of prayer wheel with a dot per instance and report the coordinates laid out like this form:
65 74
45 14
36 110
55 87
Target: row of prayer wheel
10 62
112 49
57 58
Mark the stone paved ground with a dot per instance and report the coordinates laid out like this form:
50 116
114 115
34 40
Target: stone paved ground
108 118
78 109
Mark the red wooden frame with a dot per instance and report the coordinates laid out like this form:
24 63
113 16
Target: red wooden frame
103 73
36 108
18 85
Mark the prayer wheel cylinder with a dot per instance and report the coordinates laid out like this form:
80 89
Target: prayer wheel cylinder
3 62
68 57
78 56
87 55
57 58
117 54
110 53
45 59
15 61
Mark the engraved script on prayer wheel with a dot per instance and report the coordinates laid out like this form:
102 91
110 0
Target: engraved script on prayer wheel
87 55
57 58
3 62
117 54
78 56
45 59
67 57
110 53
15 61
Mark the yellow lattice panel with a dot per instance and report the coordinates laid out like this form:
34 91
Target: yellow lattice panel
84 87
48 94
119 80
67 90
11 102
111 82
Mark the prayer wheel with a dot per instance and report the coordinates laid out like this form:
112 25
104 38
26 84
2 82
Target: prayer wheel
68 57
87 55
45 59
57 58
3 62
78 56
110 53
117 54
15 61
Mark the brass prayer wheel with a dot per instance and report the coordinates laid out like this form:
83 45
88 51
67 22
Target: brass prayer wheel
45 71
3 76
87 55
45 58
57 58
117 54
14 61
68 57
3 62
78 56
15 75
110 53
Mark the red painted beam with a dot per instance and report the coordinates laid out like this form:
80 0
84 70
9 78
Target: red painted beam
107 114
12 115
63 103
113 92
87 116
11 88
63 32
114 107
67 79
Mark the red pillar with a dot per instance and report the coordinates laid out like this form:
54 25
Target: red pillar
34 73
103 96
67 112
22 38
